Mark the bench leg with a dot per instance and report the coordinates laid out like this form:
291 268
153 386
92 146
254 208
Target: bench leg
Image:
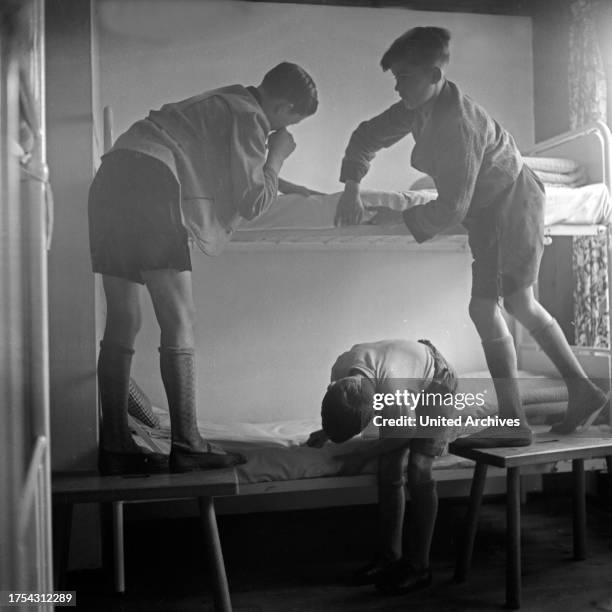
579 510
513 538
118 548
213 545
62 523
466 546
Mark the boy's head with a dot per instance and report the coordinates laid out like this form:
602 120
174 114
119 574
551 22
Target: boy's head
418 61
347 408
288 95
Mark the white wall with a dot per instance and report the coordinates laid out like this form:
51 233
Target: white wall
157 51
270 323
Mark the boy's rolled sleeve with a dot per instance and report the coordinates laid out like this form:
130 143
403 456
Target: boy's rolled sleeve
377 133
457 167
254 185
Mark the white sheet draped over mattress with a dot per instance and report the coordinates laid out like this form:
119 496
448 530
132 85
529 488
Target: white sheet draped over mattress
275 451
588 205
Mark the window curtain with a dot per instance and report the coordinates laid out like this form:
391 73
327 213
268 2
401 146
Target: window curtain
588 103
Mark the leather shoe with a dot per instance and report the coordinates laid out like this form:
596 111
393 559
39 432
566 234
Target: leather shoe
403 578
113 463
369 574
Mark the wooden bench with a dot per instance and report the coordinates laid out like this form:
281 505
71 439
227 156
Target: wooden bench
71 489
548 448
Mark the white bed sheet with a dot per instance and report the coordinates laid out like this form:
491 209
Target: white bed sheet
587 205
275 450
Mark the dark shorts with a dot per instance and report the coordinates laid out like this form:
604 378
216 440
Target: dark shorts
134 218
431 441
444 381
507 239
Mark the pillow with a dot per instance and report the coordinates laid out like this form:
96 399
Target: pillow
552 164
139 406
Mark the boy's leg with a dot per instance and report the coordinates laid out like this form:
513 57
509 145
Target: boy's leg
119 453
585 399
391 510
500 354
413 571
171 293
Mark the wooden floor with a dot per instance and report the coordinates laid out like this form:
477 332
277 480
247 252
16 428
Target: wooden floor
297 561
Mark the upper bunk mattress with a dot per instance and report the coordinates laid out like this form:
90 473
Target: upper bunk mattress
586 205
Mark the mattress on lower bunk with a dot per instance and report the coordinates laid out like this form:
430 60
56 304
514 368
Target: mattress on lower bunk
586 205
275 451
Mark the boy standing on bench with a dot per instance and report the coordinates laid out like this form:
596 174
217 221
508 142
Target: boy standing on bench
406 453
483 184
190 170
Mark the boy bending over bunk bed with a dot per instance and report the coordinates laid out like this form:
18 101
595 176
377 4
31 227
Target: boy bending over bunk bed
483 184
406 452
190 170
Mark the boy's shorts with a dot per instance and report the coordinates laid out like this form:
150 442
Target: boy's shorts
507 239
433 440
134 218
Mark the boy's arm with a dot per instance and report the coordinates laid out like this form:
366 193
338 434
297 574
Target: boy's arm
458 162
254 167
370 137
287 187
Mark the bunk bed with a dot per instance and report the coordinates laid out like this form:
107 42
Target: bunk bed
278 461
281 471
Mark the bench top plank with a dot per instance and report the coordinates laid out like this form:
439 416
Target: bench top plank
546 448
82 488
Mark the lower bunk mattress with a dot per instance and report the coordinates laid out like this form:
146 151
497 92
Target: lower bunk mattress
276 450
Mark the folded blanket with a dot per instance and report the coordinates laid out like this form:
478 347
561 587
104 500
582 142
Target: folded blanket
555 165
570 179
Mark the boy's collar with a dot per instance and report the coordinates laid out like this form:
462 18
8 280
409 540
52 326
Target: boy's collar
255 93
425 110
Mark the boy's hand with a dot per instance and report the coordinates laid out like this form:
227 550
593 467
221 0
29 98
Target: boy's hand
352 463
385 216
280 145
350 207
317 439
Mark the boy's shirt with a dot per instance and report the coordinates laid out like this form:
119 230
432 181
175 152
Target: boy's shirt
392 365
471 158
389 364
215 145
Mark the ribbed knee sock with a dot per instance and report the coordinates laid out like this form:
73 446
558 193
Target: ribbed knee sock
177 367
501 361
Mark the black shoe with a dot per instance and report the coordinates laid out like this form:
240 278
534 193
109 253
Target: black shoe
113 463
402 578
182 460
370 574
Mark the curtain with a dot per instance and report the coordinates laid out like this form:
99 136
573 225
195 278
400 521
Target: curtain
588 102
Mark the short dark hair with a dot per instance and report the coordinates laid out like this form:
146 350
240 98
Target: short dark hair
291 82
420 46
344 413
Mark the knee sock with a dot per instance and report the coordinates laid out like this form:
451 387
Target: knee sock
501 361
423 513
177 367
114 364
